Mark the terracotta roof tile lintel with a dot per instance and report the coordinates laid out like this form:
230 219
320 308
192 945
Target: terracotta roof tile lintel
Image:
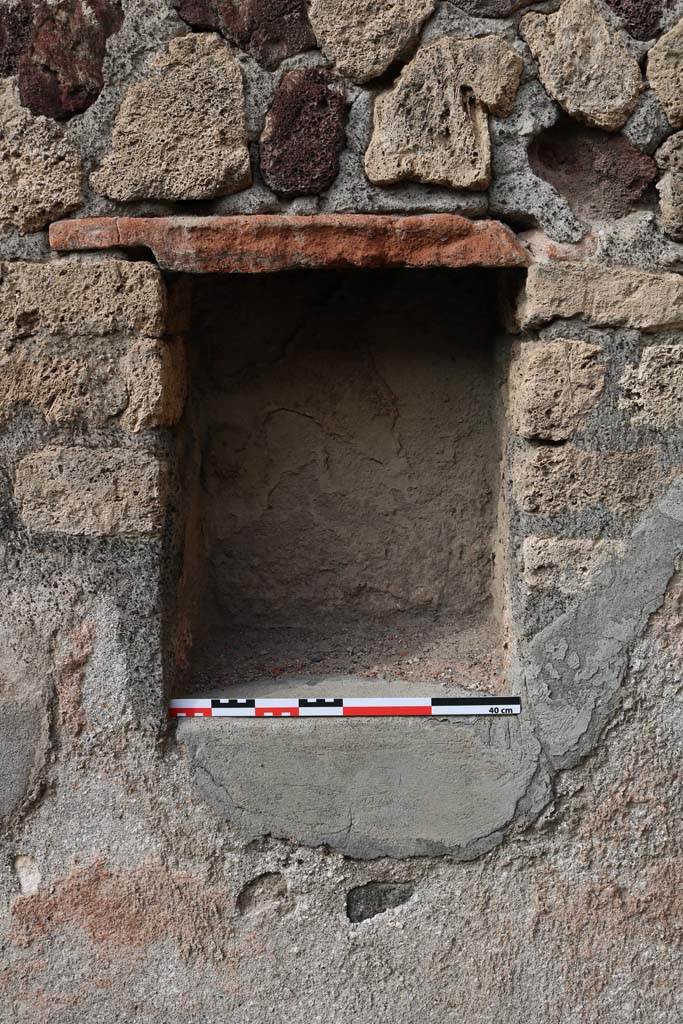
265 243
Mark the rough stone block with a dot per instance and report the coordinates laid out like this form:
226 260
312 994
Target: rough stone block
617 296
553 386
15 31
40 172
432 126
154 371
569 565
552 481
270 30
652 391
665 73
181 133
92 491
60 70
641 18
583 64
76 297
670 186
304 133
602 176
363 38
94 380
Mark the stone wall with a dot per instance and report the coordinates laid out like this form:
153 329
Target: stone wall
445 872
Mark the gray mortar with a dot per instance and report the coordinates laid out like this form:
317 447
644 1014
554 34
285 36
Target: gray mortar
517 194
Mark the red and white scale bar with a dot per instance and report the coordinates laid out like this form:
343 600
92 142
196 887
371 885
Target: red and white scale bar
341 707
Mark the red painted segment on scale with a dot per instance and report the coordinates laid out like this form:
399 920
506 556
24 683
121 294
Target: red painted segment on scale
366 710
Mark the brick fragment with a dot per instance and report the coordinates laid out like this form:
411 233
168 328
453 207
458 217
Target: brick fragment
264 244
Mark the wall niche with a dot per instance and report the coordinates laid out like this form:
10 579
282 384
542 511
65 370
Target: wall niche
343 443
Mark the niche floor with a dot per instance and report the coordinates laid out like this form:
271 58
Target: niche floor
344 465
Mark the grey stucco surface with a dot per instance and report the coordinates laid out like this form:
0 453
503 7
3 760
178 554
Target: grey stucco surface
368 787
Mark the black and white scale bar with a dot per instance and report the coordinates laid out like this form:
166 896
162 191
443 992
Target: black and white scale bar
340 707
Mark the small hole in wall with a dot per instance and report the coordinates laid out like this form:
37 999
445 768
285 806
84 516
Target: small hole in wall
373 898
265 893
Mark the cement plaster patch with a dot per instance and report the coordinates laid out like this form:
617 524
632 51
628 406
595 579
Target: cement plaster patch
369 788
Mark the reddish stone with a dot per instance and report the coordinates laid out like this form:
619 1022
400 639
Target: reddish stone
263 244
602 176
269 30
60 72
200 13
641 18
304 133
15 29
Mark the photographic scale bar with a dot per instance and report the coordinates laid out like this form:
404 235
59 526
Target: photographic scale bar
340 707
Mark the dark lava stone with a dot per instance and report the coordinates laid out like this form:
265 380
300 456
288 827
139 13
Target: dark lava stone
60 71
199 13
304 133
641 17
602 176
269 30
15 29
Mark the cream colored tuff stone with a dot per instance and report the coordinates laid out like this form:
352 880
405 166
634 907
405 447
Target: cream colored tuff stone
363 38
569 565
180 133
553 385
92 491
669 158
432 126
154 371
81 296
583 64
138 383
665 73
618 296
40 172
551 481
652 391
